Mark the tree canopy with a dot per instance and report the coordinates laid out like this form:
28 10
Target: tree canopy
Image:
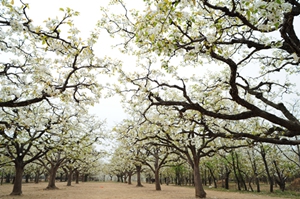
206 77
48 77
251 47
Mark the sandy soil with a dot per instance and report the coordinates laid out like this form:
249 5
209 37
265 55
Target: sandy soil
108 190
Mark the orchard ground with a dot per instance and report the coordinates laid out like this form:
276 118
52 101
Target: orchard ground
109 190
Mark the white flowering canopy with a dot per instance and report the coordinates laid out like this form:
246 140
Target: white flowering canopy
48 77
39 62
253 45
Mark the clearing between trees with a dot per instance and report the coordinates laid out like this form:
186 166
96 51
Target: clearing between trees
108 190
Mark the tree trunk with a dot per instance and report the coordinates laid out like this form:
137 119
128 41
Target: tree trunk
86 177
280 177
235 171
157 184
213 177
125 178
177 174
129 177
199 190
257 182
69 174
46 177
241 177
205 176
7 178
263 155
77 176
254 168
19 169
27 176
227 173
37 176
52 175
61 177
2 177
138 173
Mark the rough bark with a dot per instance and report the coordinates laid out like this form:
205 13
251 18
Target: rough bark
199 190
19 169
52 175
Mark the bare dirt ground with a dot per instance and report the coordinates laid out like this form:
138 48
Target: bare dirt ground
110 190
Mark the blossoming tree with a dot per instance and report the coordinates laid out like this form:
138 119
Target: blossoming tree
41 67
251 48
254 46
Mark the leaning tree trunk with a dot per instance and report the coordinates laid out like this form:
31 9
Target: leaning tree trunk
280 177
19 169
263 155
138 173
255 171
213 177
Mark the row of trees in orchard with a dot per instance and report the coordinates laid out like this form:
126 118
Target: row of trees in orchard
48 81
249 168
188 153
211 78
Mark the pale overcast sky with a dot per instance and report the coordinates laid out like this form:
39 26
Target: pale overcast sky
85 22
39 11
